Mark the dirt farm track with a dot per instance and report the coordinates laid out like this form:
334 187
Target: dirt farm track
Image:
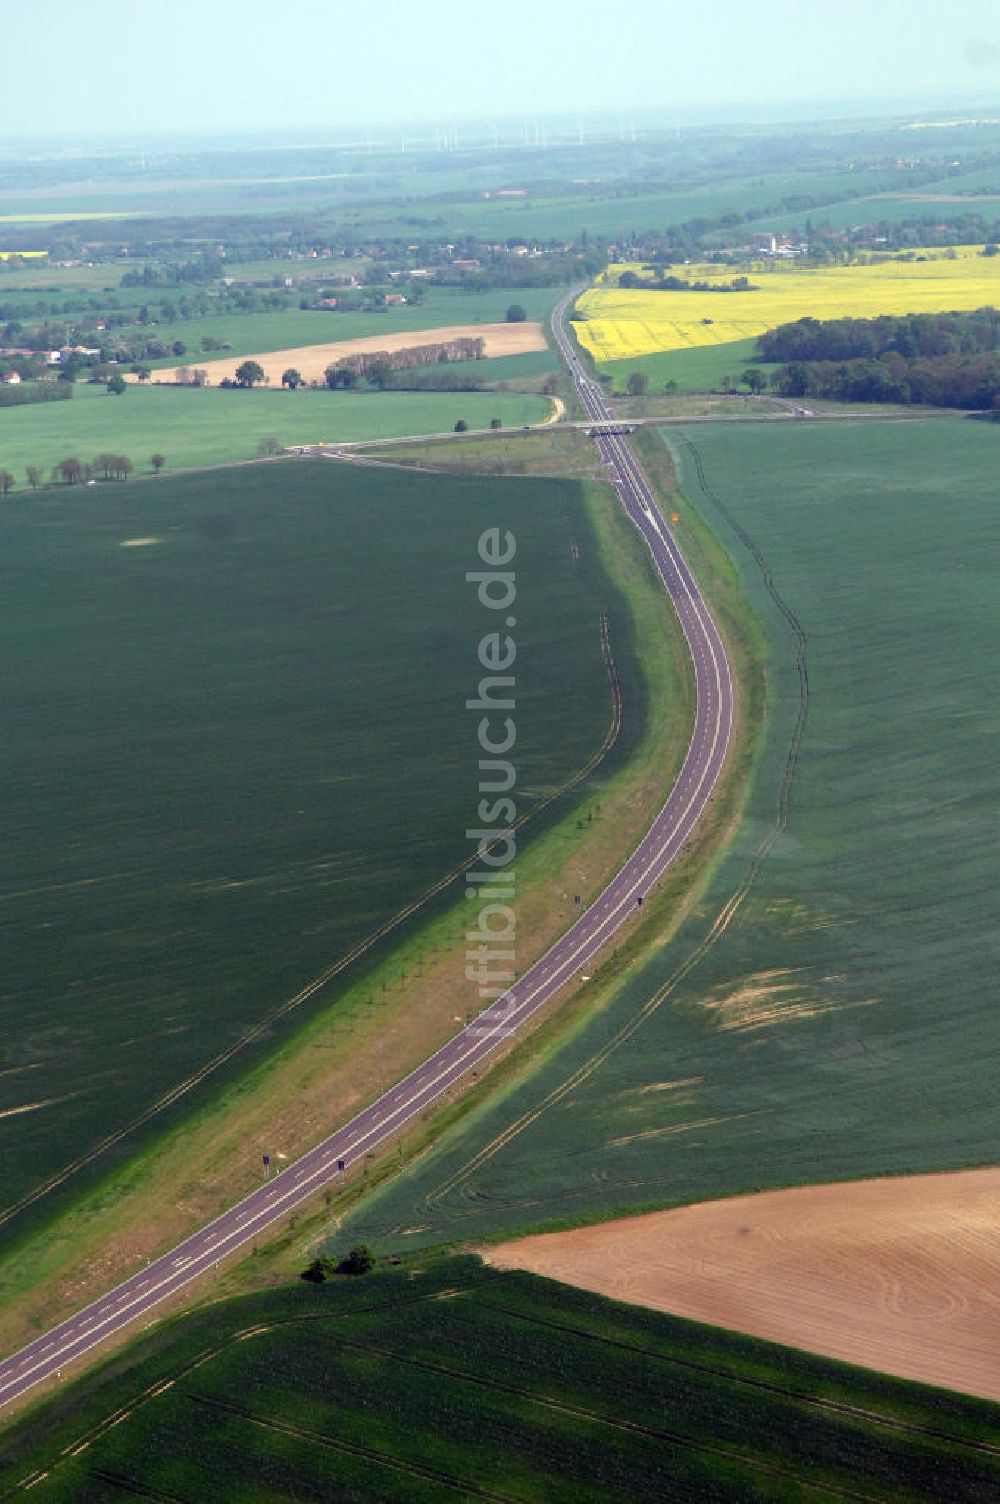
900 1275
312 360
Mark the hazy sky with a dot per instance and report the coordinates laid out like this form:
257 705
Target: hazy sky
145 65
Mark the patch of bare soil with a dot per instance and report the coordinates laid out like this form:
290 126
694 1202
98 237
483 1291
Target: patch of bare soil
900 1275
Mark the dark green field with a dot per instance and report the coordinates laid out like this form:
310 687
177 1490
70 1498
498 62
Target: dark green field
494 370
843 1023
454 1381
231 753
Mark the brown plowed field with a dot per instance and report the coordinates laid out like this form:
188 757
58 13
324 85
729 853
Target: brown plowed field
312 360
900 1275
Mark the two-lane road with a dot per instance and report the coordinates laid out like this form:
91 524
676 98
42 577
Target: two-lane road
572 952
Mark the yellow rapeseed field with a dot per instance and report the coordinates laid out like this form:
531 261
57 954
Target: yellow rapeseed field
625 322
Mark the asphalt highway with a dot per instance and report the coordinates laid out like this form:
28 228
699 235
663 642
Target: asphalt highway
138 1296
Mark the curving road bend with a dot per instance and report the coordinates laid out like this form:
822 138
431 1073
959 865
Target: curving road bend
138 1295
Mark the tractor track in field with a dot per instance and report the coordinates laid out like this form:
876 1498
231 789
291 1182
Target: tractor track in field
801 1396
544 1401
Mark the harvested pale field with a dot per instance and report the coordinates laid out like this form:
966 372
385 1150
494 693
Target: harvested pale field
312 360
899 1275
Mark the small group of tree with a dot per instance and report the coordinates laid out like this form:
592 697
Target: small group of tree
73 471
360 1260
292 379
269 445
205 267
754 379
186 376
638 384
6 483
340 297
111 467
377 367
516 314
249 373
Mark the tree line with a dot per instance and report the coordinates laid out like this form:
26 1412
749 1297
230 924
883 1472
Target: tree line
72 471
680 284
938 360
27 392
910 335
378 365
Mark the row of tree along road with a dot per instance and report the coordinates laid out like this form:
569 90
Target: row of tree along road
73 471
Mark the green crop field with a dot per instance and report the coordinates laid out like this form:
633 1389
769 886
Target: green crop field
698 369
43 279
840 1024
867 211
489 371
407 196
302 270
209 426
231 753
610 209
458 1381
981 180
